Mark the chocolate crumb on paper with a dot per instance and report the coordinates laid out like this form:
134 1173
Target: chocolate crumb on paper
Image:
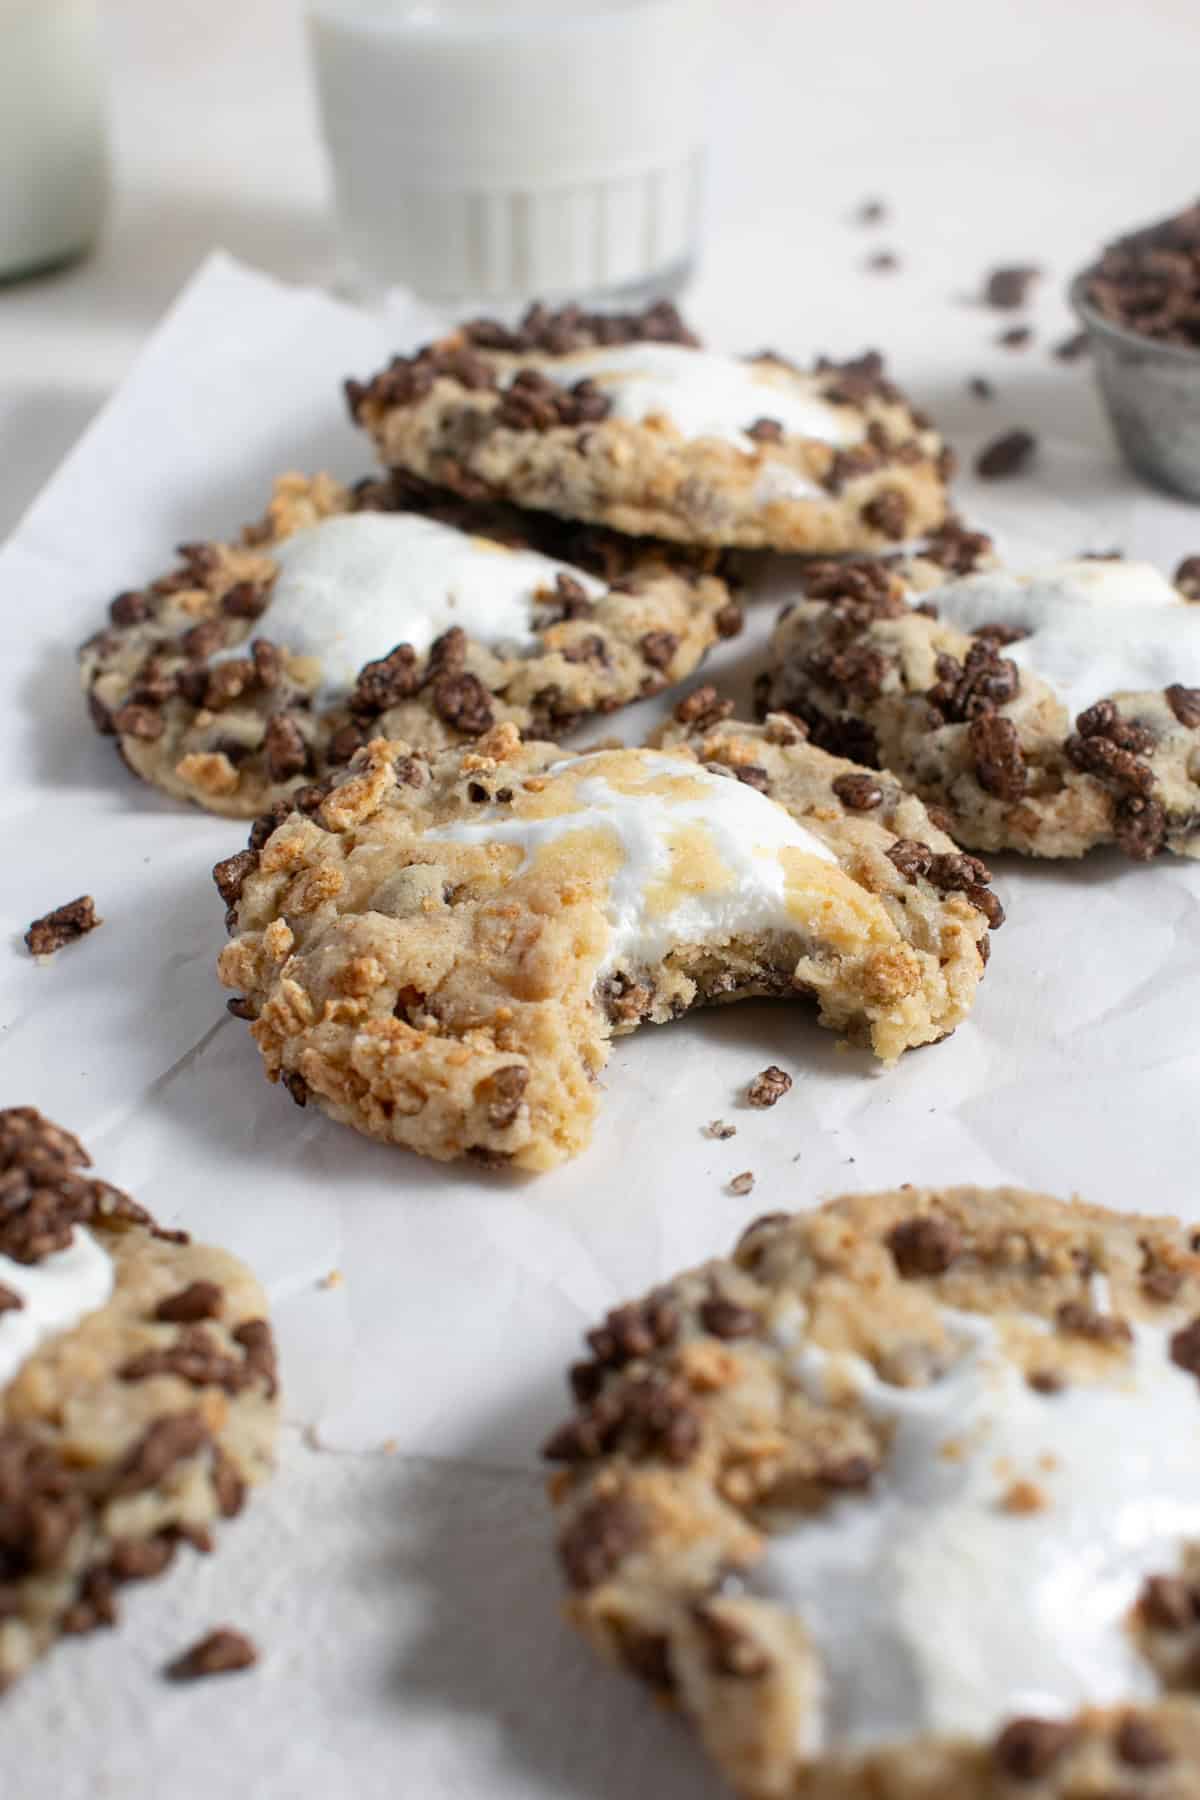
1070 349
1009 287
981 388
741 1184
1009 454
882 262
1187 578
871 212
62 926
220 1653
1017 337
720 1128
768 1086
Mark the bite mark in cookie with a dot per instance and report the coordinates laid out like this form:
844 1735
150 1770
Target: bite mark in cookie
631 423
442 962
121 1434
1049 712
259 666
888 1554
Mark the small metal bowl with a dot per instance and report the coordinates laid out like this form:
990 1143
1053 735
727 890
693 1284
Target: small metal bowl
1152 391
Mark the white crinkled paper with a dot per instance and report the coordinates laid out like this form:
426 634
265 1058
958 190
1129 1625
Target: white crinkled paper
462 1295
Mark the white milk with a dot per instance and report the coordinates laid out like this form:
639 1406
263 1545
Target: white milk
511 148
53 164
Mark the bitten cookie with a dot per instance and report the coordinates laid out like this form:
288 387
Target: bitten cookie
438 951
1050 712
257 666
902 1501
137 1391
626 421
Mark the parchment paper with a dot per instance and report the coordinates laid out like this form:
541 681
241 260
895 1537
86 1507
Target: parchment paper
459 1298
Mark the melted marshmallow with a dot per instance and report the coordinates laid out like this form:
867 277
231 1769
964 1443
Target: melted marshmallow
353 587
1098 628
57 1292
702 857
934 1609
707 395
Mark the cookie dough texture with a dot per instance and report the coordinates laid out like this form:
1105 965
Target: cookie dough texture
204 705
451 996
698 1452
515 414
138 1430
990 747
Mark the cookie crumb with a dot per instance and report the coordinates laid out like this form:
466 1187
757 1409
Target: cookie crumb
720 1128
981 388
1009 287
1070 349
769 1086
220 1653
1009 454
882 262
741 1184
62 926
871 212
334 1279
1024 1497
9 1300
1016 337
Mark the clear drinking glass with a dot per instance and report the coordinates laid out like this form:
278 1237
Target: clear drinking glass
53 155
497 150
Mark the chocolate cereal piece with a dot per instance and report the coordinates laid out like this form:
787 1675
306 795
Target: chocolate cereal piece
65 925
137 1397
1009 454
333 916
865 1426
1009 287
1072 348
627 421
768 1086
222 1652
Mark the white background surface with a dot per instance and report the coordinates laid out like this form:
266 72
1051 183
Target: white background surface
406 1604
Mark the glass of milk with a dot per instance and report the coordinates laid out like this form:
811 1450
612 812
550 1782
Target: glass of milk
53 157
497 150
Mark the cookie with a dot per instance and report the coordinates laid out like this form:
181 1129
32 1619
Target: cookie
1048 712
626 421
901 1500
137 1391
257 666
439 950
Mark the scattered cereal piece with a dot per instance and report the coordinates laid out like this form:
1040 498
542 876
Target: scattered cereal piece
1009 454
769 1086
62 926
1006 288
220 1653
